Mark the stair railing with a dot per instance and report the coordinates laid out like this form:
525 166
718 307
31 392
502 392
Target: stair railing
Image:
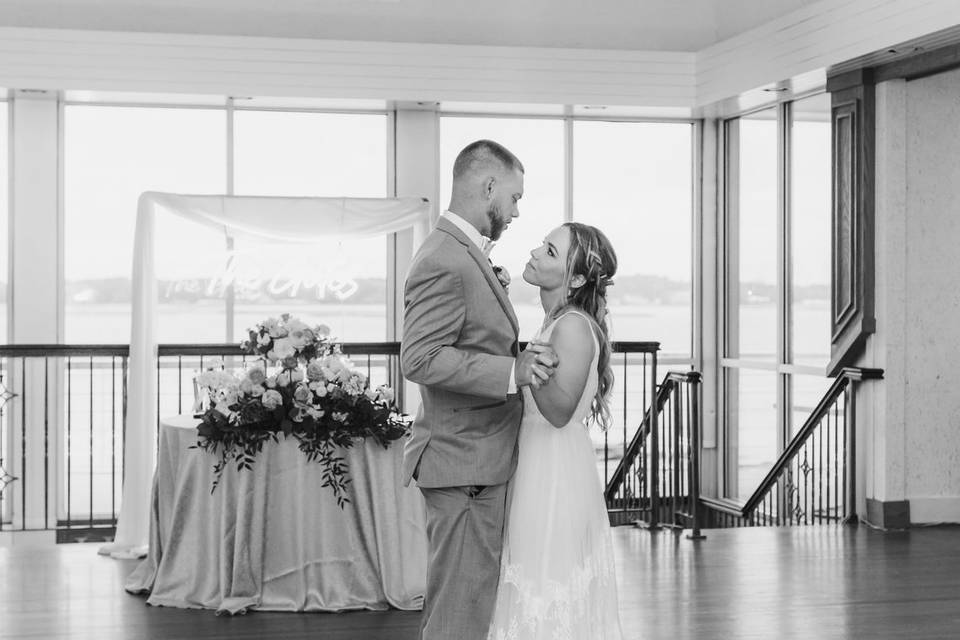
657 481
813 480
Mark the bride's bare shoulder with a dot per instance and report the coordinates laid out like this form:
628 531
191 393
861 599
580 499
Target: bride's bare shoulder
573 334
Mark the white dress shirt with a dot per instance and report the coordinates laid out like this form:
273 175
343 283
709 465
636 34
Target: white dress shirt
484 244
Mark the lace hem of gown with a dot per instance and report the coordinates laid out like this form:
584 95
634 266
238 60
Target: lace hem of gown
551 609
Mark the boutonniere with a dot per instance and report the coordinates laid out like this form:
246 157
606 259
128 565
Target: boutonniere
503 276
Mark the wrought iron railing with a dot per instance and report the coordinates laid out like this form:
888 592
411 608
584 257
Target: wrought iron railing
62 426
814 480
657 482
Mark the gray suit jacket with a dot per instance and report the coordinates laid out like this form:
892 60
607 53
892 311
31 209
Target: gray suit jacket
459 344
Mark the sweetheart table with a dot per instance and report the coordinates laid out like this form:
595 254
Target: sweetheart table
272 538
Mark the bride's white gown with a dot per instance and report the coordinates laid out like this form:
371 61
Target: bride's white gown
556 575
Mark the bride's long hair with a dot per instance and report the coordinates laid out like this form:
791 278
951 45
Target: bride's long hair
592 256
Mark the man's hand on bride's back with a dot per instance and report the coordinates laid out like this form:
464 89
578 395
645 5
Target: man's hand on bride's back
536 364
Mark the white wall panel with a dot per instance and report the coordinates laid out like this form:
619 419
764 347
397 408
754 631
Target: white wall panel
817 36
111 61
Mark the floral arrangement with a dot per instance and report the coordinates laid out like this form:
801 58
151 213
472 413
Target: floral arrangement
302 386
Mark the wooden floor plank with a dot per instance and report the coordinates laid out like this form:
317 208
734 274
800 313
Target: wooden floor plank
824 583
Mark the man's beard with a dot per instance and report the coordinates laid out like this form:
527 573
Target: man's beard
497 225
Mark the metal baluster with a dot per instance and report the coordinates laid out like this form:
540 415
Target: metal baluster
606 459
91 440
845 464
807 485
157 437
791 493
113 440
694 461
628 481
643 473
123 399
69 435
179 384
46 443
654 448
825 425
23 443
819 436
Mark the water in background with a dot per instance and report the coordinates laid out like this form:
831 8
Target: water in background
205 322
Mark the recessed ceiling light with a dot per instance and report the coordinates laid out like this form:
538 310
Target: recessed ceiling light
593 107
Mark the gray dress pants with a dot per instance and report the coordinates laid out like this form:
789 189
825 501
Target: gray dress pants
465 537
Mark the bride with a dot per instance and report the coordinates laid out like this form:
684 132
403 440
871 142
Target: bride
557 578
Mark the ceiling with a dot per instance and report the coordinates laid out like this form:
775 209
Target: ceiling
644 25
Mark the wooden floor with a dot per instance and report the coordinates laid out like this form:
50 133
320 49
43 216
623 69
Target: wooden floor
829 582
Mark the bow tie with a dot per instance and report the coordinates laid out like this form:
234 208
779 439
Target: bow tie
486 245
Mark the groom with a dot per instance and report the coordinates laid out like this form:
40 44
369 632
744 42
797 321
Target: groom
460 346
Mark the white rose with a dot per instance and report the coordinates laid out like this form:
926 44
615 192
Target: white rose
272 399
272 327
283 348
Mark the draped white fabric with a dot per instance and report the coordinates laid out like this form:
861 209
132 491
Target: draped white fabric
297 220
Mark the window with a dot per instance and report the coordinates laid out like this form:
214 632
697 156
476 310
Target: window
211 287
341 283
753 195
633 181
751 304
111 156
538 143
776 282
810 231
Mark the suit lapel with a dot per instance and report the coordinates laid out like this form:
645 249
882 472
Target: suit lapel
485 268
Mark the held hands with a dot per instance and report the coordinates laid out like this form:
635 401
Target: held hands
536 364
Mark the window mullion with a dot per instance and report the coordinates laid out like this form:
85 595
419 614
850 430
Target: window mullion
230 293
783 272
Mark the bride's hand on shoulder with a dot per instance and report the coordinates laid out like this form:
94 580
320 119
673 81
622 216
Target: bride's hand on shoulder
572 340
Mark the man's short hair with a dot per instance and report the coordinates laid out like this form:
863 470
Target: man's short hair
484 152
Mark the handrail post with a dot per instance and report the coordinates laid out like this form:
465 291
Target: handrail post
851 461
654 448
694 462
